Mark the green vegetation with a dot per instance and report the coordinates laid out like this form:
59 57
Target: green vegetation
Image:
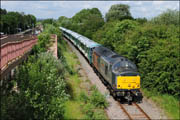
153 45
13 22
166 102
118 12
41 90
85 22
168 17
44 39
93 104
85 102
49 21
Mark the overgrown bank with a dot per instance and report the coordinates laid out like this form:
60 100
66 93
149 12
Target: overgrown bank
38 90
85 101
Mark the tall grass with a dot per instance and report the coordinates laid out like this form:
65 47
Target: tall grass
168 103
76 108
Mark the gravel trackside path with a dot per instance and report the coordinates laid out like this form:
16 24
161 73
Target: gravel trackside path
53 48
114 111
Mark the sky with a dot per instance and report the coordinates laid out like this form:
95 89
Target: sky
55 9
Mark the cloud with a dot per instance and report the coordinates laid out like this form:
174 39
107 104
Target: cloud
158 2
54 9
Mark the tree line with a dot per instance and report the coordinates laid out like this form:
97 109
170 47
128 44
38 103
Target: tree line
13 22
153 45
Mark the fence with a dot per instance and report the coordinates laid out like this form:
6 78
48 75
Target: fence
11 51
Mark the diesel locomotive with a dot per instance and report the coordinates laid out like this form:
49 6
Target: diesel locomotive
119 74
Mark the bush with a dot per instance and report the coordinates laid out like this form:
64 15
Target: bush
88 109
50 29
169 17
99 114
94 104
84 97
98 99
43 43
41 89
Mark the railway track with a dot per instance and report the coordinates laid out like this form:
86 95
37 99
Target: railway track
134 111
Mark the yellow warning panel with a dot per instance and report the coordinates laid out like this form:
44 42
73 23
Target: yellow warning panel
128 82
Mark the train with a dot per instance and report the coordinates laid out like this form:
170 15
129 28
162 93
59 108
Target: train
119 74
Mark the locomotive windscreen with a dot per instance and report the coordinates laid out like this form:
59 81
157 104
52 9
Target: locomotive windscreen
122 66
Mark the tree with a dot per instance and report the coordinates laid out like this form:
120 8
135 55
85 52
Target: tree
168 17
62 18
41 90
141 20
64 22
11 21
112 33
87 21
3 11
118 12
49 21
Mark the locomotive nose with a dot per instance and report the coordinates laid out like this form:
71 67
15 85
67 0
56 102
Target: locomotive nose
128 82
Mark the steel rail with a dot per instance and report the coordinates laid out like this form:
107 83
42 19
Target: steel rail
142 111
125 111
131 116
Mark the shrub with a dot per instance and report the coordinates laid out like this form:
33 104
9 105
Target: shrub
88 109
98 99
168 17
84 97
99 114
41 89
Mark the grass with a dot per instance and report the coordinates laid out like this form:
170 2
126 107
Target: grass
73 110
73 107
168 103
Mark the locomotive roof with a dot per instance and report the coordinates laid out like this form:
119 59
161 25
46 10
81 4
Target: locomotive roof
103 51
109 55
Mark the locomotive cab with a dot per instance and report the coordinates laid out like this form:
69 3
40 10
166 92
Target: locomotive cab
127 80
126 75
